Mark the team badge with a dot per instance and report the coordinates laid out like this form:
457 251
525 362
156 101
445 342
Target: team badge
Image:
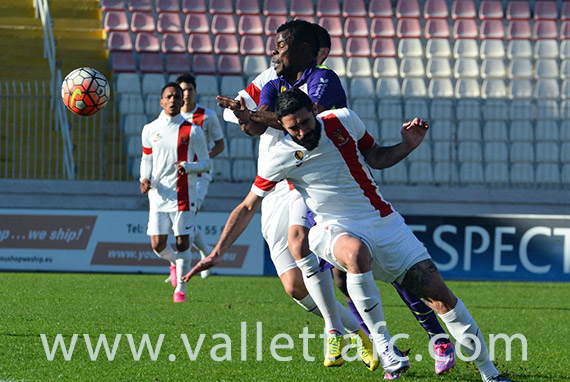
184 139
299 155
283 88
340 139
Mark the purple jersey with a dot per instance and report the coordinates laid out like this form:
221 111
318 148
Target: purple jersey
320 83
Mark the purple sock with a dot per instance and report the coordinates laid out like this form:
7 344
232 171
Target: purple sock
423 313
358 318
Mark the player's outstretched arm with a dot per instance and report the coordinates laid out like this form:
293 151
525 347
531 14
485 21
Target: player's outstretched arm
249 124
413 133
237 223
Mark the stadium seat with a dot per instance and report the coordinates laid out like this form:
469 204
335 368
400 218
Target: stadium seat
244 170
565 93
140 6
177 63
119 42
361 87
469 131
518 10
365 108
387 88
112 5
131 103
520 68
546 49
565 71
226 44
203 64
333 25
207 85
380 8
438 48
358 67
435 9
490 10
250 25
497 173
354 8
221 7
468 108
408 28
355 27
496 151
521 131
565 152
565 30
127 83
337 47
147 43
545 10
444 150
390 129
519 49
385 67
565 49
441 108
123 62
194 6
522 173
467 88
442 130
251 45
357 47
327 8
133 124
565 109
223 24
199 43
337 64
390 108
436 28
410 47
196 23
231 84
492 49
222 169
438 67
168 23
465 29
491 29
273 22
229 64
466 48
133 147
301 8
546 68
445 172
171 6
548 173
421 172
519 89
469 151
407 8
471 173
521 152
397 174
545 29
116 21
414 88
493 68
463 9
270 45
547 152
547 108
274 7
253 65
142 22
547 130
247 7
173 43
466 68
152 106
518 29
495 108
411 67
151 63
546 89
495 131
383 47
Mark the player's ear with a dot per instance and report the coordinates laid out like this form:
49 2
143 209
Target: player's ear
315 108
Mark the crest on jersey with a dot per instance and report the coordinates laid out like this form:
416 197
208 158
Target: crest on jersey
283 88
184 139
339 137
299 155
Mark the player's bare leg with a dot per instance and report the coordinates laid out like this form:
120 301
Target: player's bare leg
160 247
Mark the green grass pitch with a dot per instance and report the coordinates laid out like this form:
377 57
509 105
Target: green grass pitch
219 308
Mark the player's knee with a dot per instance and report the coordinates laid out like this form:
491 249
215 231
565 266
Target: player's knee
296 289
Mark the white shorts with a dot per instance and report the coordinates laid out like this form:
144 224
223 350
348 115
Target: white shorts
279 210
179 222
393 246
202 184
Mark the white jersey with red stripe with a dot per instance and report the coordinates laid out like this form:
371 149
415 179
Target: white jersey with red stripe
165 141
333 178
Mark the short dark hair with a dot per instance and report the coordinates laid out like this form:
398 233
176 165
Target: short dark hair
291 101
186 78
323 36
171 85
301 31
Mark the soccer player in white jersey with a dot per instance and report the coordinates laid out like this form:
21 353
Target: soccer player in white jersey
327 159
174 152
212 129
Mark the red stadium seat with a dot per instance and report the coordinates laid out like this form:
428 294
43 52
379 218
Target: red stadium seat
436 28
275 8
463 9
194 6
328 8
142 22
465 28
222 23
167 6
119 41
301 8
492 29
270 45
140 6
251 45
199 43
112 5
565 12
407 8
116 21
545 29
337 47
123 62
177 63
408 28
565 30
332 24
353 8
221 6
518 10
151 63
382 27
272 23
490 9
247 7
435 9
146 43
229 64
168 22
518 30
173 43
307 18
355 27
196 23
545 10
380 8
383 47
357 47
226 44
250 24
203 64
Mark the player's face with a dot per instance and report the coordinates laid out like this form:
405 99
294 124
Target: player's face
189 93
283 54
171 101
303 128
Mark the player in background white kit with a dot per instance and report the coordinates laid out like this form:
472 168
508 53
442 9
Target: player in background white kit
212 129
174 152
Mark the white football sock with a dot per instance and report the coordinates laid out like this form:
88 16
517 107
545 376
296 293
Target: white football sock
200 244
183 262
320 287
167 254
348 320
365 295
459 322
